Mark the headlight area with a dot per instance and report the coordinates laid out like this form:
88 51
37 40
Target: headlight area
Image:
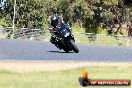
67 34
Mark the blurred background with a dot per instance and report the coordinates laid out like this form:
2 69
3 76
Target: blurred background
92 21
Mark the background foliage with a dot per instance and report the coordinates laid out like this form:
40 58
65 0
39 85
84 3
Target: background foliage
36 13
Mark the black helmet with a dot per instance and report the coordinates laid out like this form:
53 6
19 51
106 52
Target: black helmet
54 20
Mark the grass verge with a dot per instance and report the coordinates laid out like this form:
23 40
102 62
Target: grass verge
62 78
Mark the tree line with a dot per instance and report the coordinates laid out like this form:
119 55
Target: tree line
36 13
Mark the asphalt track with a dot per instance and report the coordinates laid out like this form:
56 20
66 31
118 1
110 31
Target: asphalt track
36 50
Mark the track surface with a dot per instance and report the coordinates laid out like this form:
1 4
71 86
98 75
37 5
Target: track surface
34 50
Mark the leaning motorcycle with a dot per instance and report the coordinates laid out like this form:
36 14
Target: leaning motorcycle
65 40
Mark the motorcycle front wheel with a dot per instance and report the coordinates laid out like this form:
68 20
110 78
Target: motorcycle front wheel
74 46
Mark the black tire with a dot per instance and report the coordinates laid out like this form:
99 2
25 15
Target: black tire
74 46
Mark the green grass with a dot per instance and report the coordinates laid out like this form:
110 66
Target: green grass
102 39
61 79
2 21
111 40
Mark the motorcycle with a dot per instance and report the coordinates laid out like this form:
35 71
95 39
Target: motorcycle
64 39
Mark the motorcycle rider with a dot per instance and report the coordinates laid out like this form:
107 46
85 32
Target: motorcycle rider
61 35
56 23
53 28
